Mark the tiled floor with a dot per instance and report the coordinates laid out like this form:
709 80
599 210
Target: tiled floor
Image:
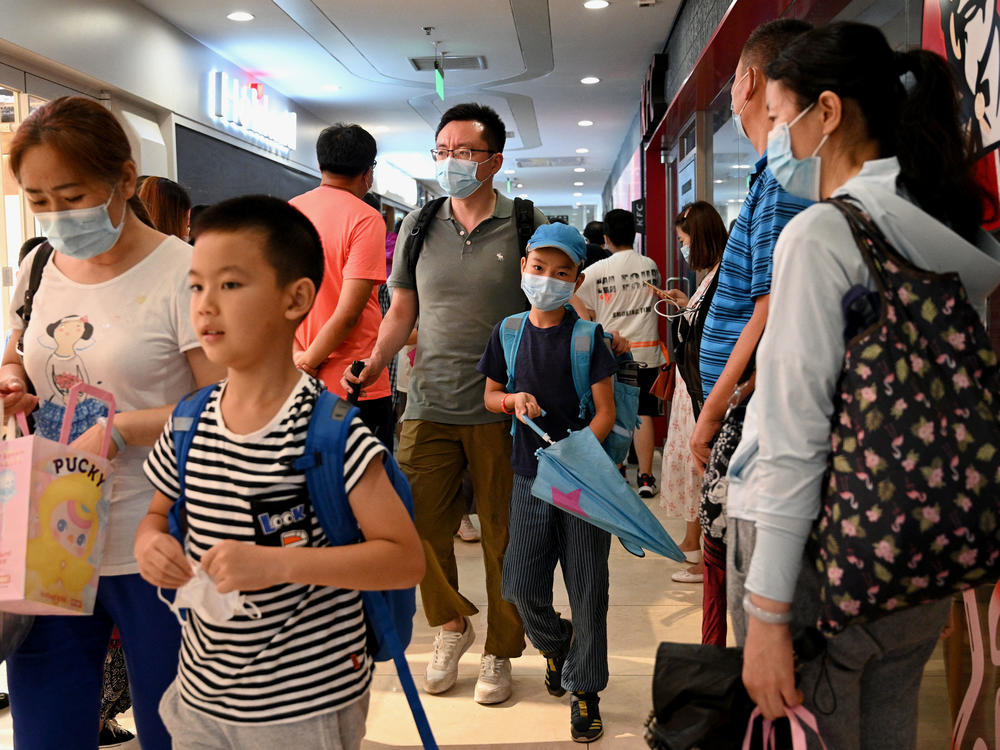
646 608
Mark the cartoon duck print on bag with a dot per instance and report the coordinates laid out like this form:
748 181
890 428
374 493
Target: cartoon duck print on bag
910 512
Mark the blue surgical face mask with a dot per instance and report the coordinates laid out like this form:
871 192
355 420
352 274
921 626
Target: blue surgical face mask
799 177
738 116
545 292
457 177
686 253
81 232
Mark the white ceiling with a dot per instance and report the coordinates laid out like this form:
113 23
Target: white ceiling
536 52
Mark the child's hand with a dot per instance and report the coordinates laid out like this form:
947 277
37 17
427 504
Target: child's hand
242 566
161 560
301 360
525 404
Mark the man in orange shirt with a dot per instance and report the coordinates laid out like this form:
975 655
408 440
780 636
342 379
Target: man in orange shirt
344 321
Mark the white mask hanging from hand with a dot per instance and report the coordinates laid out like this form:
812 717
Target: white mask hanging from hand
201 594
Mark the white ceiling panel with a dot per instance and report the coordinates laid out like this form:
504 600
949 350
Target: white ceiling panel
536 50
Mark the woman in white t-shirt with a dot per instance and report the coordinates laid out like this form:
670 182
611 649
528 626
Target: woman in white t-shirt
111 310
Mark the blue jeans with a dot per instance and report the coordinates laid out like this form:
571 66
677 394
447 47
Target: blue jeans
55 676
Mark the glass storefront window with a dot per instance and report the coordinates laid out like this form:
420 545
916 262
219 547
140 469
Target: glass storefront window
733 158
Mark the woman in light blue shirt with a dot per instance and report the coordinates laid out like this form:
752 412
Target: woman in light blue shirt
844 124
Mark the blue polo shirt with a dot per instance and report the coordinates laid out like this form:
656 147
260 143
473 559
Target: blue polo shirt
745 272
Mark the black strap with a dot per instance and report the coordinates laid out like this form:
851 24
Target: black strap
524 221
42 255
38 263
414 242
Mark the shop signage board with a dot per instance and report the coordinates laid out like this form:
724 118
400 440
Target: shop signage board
246 109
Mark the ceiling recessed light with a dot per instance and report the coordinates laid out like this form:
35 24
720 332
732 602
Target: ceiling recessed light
579 169
585 123
590 80
577 195
577 184
520 185
718 182
583 151
578 204
523 195
510 171
595 4
240 15
740 166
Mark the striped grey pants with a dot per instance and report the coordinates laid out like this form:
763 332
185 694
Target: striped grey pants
542 535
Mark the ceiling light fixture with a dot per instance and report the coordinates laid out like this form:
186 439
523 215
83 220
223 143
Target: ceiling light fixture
583 151
519 185
577 195
718 182
510 171
595 4
579 169
577 184
590 80
585 123
241 16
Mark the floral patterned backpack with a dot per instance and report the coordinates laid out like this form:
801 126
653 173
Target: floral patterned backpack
910 511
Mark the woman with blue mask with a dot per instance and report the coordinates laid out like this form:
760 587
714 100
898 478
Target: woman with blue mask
112 310
702 235
844 125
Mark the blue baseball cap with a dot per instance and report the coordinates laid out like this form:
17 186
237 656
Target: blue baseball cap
561 237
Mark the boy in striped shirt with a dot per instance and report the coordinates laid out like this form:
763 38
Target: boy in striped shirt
287 664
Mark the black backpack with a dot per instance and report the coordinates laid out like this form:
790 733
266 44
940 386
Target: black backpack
524 221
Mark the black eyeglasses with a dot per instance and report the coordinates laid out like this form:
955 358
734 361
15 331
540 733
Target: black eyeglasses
440 154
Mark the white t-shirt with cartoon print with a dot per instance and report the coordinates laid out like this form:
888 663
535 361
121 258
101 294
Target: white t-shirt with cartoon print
128 336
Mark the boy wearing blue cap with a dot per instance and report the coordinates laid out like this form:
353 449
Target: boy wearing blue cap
542 535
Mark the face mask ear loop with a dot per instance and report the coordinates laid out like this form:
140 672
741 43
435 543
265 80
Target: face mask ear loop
170 605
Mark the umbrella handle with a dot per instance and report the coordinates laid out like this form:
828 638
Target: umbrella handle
541 433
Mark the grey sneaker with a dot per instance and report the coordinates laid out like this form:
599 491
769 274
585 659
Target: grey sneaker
493 685
442 670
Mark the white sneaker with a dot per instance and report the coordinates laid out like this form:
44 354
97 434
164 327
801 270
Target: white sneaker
467 530
493 685
442 670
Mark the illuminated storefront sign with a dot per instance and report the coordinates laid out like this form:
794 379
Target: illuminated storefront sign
247 109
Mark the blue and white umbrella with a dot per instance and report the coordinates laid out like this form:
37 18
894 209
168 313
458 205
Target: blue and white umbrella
576 475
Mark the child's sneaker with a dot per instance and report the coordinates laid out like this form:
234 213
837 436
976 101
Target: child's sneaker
585 718
442 669
647 485
493 685
554 663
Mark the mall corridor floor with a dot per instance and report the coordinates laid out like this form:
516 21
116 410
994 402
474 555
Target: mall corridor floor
646 608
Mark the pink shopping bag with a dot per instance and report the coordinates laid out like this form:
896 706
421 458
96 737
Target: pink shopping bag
797 716
54 509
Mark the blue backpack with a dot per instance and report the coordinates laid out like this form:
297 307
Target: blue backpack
626 384
388 614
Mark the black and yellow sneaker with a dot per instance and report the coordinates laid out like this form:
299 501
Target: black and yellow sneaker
585 718
554 663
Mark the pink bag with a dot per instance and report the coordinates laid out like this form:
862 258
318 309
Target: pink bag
796 718
54 509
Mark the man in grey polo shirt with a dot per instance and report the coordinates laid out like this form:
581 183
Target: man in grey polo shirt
468 278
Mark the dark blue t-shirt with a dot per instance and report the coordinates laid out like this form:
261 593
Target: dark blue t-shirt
543 368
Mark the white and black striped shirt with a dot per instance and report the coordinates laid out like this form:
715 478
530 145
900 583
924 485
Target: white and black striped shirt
306 655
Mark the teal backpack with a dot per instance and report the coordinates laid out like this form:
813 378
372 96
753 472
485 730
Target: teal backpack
626 380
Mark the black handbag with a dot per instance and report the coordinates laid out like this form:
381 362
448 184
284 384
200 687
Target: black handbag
714 487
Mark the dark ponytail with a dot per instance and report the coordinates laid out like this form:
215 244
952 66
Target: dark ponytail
919 125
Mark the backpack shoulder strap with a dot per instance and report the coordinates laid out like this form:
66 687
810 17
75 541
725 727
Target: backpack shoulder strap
583 350
511 331
414 242
323 464
42 255
184 424
524 222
